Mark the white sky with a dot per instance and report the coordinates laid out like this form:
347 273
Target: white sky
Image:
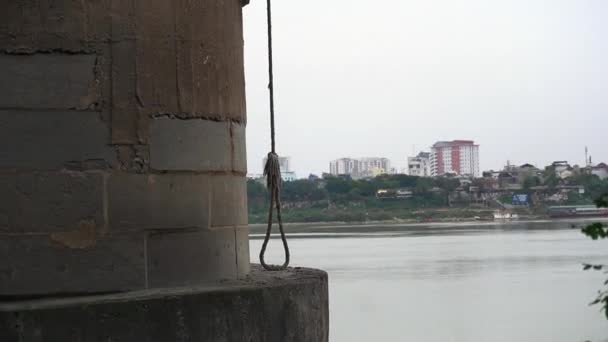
525 79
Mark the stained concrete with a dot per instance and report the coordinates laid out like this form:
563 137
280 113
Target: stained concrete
286 306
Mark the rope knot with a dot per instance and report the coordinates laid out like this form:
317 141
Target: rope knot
272 171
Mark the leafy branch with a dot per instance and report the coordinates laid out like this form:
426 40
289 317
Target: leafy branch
599 231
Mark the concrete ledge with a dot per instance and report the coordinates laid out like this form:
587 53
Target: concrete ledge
267 306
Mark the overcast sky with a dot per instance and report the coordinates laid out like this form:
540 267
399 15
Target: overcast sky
525 79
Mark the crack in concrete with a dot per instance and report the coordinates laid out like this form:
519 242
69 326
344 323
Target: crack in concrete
26 51
194 116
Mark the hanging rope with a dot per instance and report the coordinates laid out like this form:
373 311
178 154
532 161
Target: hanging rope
272 169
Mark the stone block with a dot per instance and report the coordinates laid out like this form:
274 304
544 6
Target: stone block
159 201
190 145
50 202
228 201
191 258
36 140
64 264
243 263
48 81
239 150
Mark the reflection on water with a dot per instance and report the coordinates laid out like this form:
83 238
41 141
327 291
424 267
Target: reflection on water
466 284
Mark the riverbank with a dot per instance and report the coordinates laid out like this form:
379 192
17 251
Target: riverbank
395 214
320 229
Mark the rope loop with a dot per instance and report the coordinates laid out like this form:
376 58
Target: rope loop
272 172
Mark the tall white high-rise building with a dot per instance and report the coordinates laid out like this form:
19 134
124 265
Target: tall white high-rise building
344 166
419 165
285 164
460 157
360 167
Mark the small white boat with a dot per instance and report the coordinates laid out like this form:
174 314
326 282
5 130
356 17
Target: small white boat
505 215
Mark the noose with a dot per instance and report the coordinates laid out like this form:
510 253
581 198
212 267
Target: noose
272 169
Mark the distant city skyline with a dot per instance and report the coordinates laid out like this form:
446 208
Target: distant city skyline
524 79
409 160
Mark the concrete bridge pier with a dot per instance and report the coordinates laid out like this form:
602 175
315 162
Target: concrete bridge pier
123 212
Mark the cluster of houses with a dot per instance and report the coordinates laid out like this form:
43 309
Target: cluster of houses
522 184
527 183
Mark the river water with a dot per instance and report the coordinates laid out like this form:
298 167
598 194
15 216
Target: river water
454 282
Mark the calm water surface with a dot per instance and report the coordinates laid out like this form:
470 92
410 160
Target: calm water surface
513 282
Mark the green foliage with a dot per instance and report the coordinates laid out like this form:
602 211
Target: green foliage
348 200
602 201
302 190
530 181
599 231
506 198
337 185
550 179
257 197
596 231
574 198
595 188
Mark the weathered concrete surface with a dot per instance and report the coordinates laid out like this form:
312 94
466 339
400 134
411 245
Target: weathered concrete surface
239 148
158 201
50 202
287 306
242 251
188 64
122 126
122 168
39 140
190 145
76 261
179 259
50 81
229 201
88 259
